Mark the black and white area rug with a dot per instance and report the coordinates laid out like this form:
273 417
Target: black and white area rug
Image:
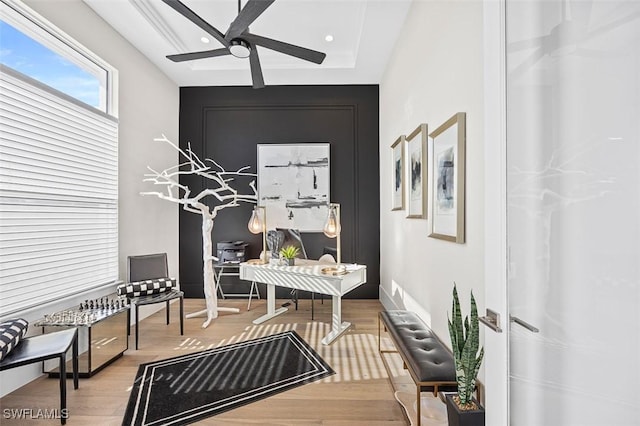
188 388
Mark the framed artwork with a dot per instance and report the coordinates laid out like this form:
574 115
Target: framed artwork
416 172
448 165
397 193
293 185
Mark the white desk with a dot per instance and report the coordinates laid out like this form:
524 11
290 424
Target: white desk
309 277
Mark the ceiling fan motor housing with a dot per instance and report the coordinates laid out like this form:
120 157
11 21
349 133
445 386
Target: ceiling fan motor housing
239 48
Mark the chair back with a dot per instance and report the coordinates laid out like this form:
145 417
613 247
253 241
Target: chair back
147 267
292 237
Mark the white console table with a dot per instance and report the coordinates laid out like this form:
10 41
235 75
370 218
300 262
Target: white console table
307 276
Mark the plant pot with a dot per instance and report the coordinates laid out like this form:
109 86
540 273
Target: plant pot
290 261
459 417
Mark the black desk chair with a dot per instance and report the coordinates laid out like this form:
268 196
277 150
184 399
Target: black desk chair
44 347
151 268
293 237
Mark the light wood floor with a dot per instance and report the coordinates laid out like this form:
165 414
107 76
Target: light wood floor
358 394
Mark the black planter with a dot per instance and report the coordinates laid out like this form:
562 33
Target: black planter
458 417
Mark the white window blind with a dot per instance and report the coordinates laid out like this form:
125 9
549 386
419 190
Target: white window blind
58 196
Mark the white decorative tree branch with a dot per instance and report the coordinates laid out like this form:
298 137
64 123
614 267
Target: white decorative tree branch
223 196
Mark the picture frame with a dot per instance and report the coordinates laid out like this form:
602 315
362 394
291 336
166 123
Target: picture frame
397 174
417 172
448 182
294 184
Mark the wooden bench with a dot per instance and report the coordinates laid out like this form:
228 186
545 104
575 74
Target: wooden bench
429 362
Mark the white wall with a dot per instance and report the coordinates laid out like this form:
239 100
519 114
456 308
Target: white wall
436 71
148 107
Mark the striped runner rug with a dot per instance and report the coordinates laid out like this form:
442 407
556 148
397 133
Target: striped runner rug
188 388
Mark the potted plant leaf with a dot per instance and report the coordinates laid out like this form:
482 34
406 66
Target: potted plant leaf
289 253
462 408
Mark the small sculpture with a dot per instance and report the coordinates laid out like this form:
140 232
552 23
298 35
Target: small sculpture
274 242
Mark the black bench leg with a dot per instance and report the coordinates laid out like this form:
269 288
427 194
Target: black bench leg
63 388
167 312
74 362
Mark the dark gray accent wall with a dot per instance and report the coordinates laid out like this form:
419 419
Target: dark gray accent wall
227 123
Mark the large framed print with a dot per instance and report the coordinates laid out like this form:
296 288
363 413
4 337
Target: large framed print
448 194
397 159
293 185
416 172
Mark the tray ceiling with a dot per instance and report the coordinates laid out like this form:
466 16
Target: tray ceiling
364 33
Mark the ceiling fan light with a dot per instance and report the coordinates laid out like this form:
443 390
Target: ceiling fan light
239 48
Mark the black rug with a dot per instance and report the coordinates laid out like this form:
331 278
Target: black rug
188 388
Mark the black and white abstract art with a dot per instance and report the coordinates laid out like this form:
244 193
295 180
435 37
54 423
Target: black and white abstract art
397 193
417 151
293 185
448 165
445 185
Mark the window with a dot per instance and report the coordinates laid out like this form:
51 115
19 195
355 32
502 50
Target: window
58 169
31 58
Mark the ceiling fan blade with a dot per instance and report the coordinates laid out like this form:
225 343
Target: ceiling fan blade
286 48
525 44
256 69
527 64
598 54
247 15
193 17
612 25
181 57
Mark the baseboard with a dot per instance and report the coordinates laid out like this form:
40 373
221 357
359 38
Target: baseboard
386 300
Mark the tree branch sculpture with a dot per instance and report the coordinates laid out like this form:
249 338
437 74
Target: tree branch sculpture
223 196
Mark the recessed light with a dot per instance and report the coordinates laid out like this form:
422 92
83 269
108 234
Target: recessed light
204 40
328 37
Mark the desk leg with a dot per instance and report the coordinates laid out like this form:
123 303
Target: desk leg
337 326
204 312
218 278
271 306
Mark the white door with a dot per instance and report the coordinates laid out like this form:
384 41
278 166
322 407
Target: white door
573 211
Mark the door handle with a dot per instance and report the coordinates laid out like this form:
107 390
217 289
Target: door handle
524 324
491 320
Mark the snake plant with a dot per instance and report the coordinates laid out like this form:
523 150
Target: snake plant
465 342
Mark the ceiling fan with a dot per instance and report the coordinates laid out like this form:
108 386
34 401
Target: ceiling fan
569 35
239 42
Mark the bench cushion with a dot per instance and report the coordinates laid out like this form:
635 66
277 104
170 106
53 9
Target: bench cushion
426 355
146 287
12 331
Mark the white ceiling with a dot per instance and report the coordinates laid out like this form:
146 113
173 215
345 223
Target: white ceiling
364 32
